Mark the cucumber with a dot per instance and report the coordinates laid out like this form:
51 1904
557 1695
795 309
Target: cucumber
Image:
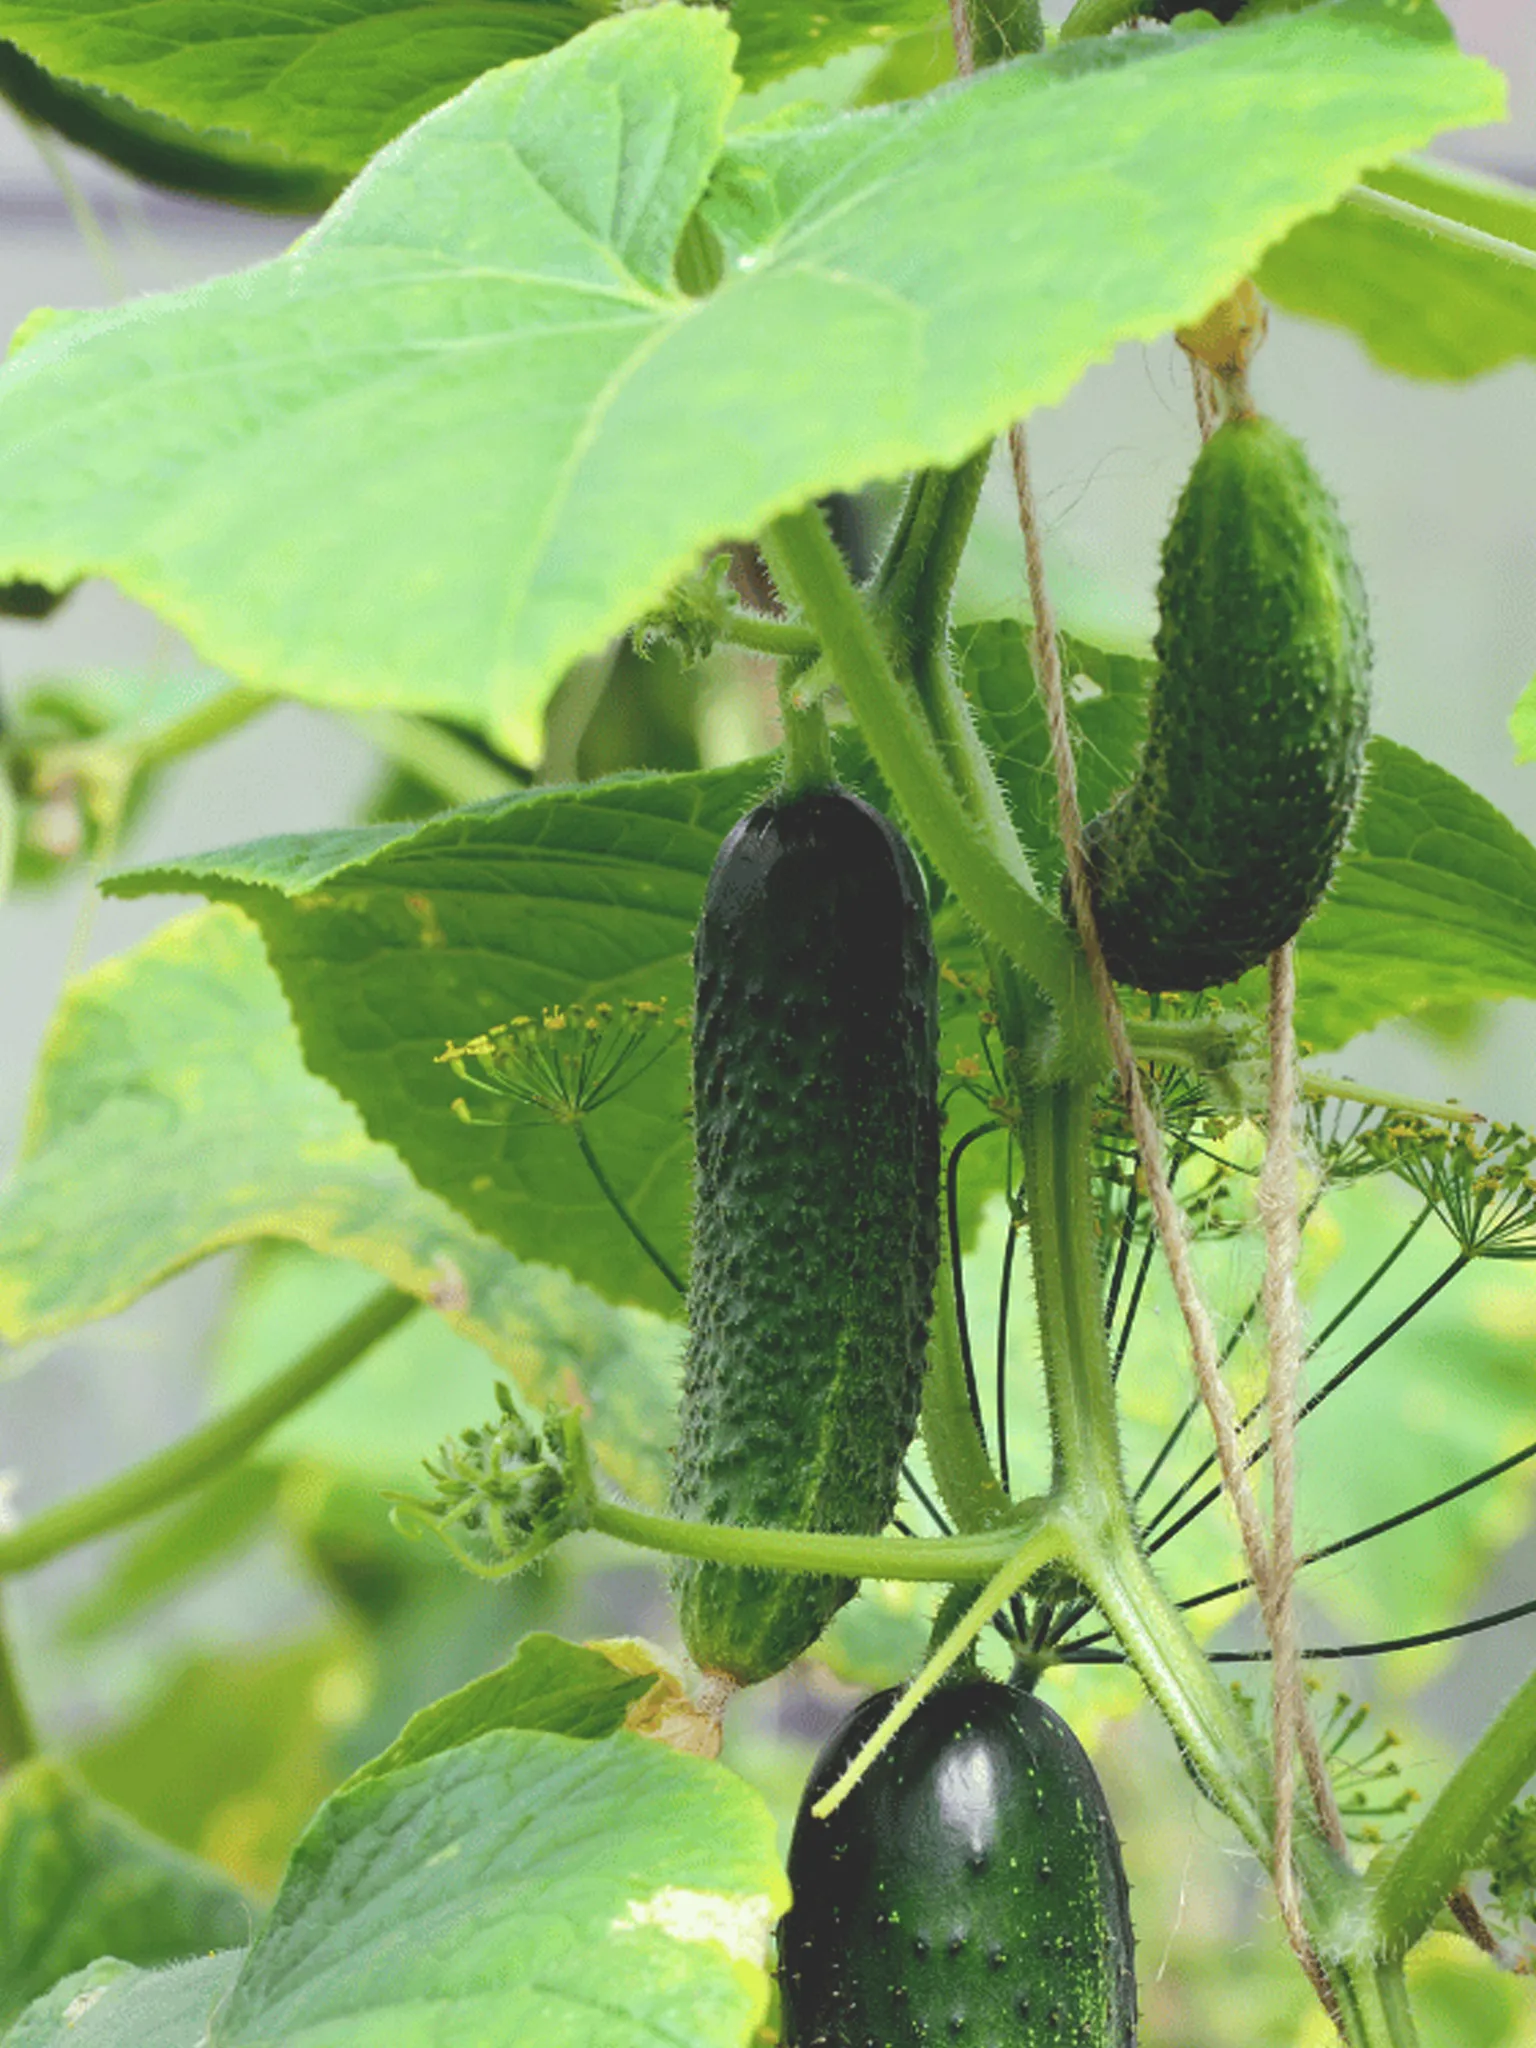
969 1889
1226 840
815 1227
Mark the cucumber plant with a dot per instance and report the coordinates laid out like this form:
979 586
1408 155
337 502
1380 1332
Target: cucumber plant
587 306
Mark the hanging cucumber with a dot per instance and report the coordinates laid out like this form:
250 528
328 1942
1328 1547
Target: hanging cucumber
1225 842
969 1889
815 1228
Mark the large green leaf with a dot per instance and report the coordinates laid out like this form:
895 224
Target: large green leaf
112 2005
1421 302
390 941
549 1684
611 1894
78 1881
326 83
524 1887
469 426
1434 902
175 1116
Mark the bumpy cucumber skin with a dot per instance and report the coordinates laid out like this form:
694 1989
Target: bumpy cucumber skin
1224 844
815 1231
969 1890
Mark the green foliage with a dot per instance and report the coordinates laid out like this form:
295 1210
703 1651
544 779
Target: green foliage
318 84
1435 901
112 2005
611 1889
79 1881
212 163
174 1116
571 335
325 85
441 930
178 446
1422 302
548 1684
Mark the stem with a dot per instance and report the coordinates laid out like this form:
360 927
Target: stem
957 1456
1043 1546
1366 200
1413 1881
1345 1372
1217 1744
221 715
18 1738
611 1194
781 638
807 742
989 873
917 579
1373 2004
925 1560
454 768
170 1473
10 831
1055 1135
1326 1087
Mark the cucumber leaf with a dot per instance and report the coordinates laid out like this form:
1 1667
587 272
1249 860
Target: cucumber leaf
1434 902
1420 302
175 1116
80 1881
390 941
113 2005
547 1684
478 386
326 83
605 1894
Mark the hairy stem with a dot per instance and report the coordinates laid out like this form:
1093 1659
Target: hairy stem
989 872
759 634
1412 1881
807 742
924 1560
18 1738
1043 1546
957 1456
167 1475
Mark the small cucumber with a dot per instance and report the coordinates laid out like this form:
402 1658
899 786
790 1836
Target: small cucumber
1225 842
815 1226
968 1890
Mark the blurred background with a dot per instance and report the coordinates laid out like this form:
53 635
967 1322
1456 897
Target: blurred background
217 1676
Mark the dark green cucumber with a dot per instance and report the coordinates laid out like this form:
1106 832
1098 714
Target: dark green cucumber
1225 842
969 1889
815 1226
